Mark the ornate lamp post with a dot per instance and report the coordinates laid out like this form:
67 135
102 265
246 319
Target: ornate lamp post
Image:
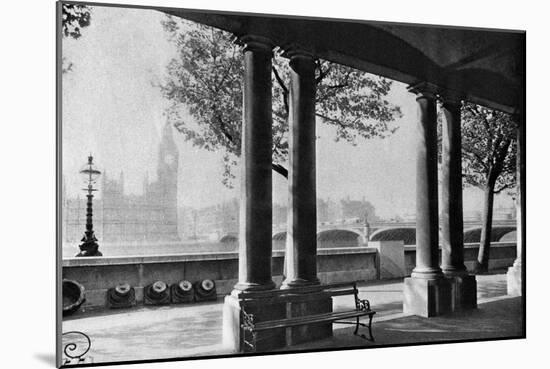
89 246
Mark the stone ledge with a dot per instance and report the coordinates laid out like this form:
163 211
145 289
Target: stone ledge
148 259
473 245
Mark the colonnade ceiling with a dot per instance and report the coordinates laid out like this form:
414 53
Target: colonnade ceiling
485 66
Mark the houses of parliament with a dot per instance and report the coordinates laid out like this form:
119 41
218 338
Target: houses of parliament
119 217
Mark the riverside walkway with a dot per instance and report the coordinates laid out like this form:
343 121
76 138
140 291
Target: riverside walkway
196 330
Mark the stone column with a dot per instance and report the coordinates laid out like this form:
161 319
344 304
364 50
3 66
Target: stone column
464 286
426 292
515 272
452 223
427 222
301 240
256 207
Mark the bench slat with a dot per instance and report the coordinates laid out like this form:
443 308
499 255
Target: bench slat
272 293
341 292
341 285
280 299
289 296
328 288
311 319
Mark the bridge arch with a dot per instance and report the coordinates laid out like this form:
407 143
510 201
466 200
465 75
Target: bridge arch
279 236
230 237
473 235
278 241
406 234
339 238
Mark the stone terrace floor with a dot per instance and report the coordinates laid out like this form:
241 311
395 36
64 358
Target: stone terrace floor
195 330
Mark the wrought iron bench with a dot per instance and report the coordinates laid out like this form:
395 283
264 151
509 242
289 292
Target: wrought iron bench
250 327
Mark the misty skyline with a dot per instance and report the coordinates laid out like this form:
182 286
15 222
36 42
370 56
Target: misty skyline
112 109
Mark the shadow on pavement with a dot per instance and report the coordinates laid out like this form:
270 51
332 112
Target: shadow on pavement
496 319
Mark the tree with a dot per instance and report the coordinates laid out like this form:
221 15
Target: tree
489 162
74 17
205 79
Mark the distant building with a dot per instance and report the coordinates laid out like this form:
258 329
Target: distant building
216 221
471 216
504 213
150 217
212 222
358 210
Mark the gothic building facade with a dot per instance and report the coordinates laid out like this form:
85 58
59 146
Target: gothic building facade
119 217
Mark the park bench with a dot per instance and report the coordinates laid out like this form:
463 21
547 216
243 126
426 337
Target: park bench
250 327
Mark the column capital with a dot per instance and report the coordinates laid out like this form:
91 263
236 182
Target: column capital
292 51
255 43
452 97
424 90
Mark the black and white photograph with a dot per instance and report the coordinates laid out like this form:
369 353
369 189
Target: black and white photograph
252 186
236 183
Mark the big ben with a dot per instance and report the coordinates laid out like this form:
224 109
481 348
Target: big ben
167 172
151 217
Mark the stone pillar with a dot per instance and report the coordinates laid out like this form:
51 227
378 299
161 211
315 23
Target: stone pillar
255 215
427 222
464 287
255 208
301 240
452 223
515 272
426 292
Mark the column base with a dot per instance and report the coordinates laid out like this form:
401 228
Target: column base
231 332
427 273
463 291
315 303
427 297
514 281
288 284
248 286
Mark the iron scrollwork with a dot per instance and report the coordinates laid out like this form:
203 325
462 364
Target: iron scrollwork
248 321
363 305
76 349
248 326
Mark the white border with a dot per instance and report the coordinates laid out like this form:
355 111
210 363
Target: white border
28 180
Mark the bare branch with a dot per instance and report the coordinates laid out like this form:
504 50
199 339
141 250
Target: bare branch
322 74
338 85
280 169
223 128
503 187
501 155
333 120
279 79
284 88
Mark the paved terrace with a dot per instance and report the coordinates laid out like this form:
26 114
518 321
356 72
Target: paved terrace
196 330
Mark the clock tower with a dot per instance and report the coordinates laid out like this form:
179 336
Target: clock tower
167 186
167 168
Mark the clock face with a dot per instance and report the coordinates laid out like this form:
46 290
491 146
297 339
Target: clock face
169 159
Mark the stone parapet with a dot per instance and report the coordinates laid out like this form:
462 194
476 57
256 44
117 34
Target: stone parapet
503 255
97 275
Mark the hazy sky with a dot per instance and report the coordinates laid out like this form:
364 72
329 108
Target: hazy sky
112 109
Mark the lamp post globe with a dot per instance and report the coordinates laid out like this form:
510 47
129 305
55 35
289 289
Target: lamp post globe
90 174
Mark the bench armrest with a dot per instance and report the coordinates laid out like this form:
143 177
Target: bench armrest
248 320
362 305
